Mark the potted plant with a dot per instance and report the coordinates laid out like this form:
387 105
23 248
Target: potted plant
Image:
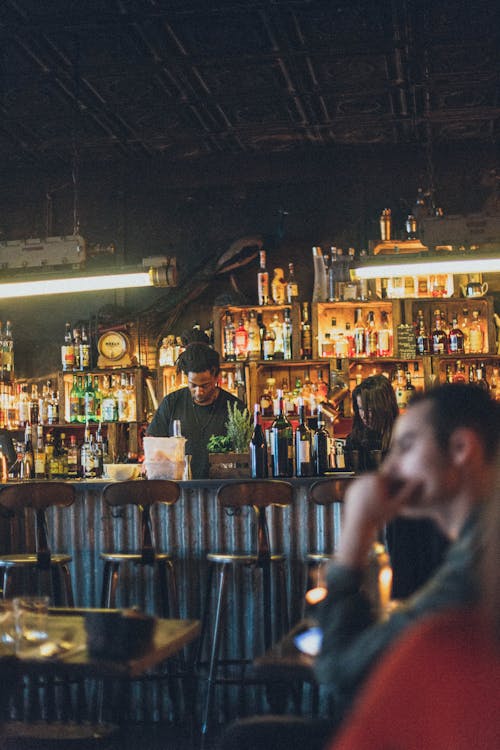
229 455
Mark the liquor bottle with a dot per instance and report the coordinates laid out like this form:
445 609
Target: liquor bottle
122 399
400 388
268 343
88 400
7 354
23 406
74 401
321 446
349 339
455 338
481 377
277 328
28 461
262 333
53 408
341 346
292 287
109 411
303 446
263 280
84 350
476 335
229 350
421 335
281 443
287 335
98 449
34 405
253 346
410 388
77 340
133 416
240 341
73 456
43 403
333 275
459 376
98 399
305 333
384 344
49 450
321 388
87 455
67 350
439 340
359 334
464 327
278 287
258 448
320 276
266 399
39 457
371 336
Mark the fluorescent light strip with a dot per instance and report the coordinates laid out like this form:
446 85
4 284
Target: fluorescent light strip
75 284
391 270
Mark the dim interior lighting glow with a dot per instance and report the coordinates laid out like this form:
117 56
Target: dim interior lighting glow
11 290
427 266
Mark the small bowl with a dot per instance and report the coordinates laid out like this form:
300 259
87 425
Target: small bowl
115 635
121 472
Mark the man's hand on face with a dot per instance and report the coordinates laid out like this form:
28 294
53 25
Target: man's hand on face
370 502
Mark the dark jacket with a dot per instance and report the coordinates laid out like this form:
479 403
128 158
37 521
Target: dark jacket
353 639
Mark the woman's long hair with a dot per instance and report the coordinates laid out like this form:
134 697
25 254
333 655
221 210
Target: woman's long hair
380 407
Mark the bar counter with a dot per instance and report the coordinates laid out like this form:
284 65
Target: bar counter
188 530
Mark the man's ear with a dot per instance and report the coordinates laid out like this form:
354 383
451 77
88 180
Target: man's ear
464 446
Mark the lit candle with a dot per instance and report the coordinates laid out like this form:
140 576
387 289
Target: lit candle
384 587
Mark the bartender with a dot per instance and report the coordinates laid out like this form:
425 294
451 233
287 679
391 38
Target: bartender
201 406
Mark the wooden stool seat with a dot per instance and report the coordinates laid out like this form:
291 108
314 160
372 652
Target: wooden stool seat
141 495
28 501
256 495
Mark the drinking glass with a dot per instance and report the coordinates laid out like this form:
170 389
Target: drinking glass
31 621
7 626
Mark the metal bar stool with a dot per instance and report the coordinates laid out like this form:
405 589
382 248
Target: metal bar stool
142 494
232 498
325 494
28 500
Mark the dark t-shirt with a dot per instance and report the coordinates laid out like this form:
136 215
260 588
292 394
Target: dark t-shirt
198 423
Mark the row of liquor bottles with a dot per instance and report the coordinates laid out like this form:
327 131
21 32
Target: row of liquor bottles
103 398
301 452
368 334
55 456
76 349
91 398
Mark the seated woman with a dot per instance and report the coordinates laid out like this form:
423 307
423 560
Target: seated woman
438 687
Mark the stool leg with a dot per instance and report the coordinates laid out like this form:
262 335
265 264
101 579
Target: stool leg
106 582
68 586
213 654
205 615
115 572
266 594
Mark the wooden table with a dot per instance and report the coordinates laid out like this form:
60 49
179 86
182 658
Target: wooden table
73 662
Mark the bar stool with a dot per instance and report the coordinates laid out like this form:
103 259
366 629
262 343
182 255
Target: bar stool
30 500
142 495
326 494
232 498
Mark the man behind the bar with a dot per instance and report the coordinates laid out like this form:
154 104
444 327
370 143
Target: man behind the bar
201 407
441 465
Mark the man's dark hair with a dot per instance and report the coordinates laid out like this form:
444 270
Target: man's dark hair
456 405
198 357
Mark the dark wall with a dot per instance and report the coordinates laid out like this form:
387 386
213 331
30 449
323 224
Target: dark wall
195 212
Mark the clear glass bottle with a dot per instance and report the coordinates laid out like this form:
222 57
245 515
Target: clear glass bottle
384 337
263 296
303 445
321 446
359 334
229 330
476 334
305 333
281 435
287 335
258 448
276 326
241 341
253 346
371 335
292 286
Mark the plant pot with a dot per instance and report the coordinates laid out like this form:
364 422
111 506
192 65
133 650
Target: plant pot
229 465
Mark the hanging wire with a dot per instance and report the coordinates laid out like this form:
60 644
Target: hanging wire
75 166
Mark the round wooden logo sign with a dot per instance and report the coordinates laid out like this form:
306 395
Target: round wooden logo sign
113 345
